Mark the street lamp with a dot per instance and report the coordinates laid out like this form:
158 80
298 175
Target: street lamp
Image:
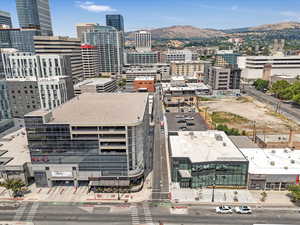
118 179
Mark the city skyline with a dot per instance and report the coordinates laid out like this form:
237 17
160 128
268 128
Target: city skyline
202 14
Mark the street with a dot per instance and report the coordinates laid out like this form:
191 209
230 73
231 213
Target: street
141 213
286 109
160 187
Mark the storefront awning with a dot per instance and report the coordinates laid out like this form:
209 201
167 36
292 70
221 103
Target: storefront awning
109 183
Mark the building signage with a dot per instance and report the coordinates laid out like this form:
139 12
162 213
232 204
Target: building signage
61 174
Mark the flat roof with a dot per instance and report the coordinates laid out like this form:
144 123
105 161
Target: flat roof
204 146
93 81
272 161
243 142
100 109
144 78
15 144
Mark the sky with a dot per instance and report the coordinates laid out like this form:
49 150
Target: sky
147 14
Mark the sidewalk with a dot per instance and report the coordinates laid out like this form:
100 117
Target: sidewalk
71 194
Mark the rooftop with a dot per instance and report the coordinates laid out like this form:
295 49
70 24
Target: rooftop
93 81
204 146
100 109
144 78
272 161
15 146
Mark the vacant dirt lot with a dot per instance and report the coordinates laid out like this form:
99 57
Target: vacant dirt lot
249 111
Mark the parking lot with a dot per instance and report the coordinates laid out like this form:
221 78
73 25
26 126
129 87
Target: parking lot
188 121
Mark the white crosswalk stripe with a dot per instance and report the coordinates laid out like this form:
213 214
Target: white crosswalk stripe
32 211
20 212
147 214
134 215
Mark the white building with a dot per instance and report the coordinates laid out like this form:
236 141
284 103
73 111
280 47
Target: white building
96 85
143 41
253 66
90 61
272 168
179 55
37 81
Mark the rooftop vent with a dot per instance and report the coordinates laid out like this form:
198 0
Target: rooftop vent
273 151
293 161
285 167
272 163
218 137
224 144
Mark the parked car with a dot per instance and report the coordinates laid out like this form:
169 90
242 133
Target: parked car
167 110
183 128
181 121
189 118
243 209
224 209
179 116
190 124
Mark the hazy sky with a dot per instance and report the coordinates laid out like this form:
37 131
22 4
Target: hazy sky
139 14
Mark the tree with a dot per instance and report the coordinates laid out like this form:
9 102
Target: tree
296 98
295 192
261 85
279 86
13 186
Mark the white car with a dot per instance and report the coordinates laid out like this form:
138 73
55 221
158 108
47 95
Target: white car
243 209
224 209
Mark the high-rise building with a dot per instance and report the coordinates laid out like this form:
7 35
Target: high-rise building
20 39
35 14
5 112
143 41
62 46
138 58
115 21
109 42
81 28
90 62
102 141
226 58
5 19
37 81
187 68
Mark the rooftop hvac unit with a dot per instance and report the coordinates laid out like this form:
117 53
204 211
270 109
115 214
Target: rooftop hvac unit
285 167
273 151
272 163
218 137
224 144
292 161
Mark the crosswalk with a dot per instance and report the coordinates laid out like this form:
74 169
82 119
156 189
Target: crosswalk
26 211
142 216
134 214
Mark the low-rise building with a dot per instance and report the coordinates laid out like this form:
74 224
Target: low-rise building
15 157
206 158
188 68
95 85
178 55
274 169
140 58
144 84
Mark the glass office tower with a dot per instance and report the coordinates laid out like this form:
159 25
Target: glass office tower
115 21
35 14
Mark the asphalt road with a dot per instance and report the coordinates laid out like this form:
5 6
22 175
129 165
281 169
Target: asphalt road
142 213
160 186
288 110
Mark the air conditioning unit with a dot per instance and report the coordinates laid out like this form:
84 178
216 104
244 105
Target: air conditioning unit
272 163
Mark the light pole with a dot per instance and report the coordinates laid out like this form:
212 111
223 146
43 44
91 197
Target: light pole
214 185
118 179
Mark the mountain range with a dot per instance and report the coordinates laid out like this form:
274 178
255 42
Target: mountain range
191 32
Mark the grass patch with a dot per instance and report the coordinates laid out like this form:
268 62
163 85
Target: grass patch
205 99
226 117
243 99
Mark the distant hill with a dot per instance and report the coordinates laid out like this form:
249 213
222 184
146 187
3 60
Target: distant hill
181 32
190 32
276 26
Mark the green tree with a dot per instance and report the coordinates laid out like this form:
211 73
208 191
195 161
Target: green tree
13 186
295 192
261 85
296 98
279 86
